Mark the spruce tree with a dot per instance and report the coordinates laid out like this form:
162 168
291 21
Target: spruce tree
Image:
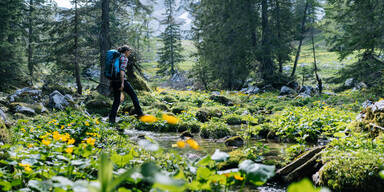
170 53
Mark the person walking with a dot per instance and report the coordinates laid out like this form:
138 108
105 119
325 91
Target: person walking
121 84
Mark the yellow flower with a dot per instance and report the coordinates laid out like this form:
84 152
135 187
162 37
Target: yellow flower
27 169
238 177
56 136
65 137
180 144
148 119
170 119
193 144
62 127
30 145
22 129
86 123
97 122
71 141
69 150
91 141
46 142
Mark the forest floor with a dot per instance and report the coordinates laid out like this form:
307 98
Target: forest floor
174 147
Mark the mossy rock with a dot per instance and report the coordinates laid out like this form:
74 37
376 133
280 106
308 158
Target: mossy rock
48 88
205 114
193 127
358 172
5 136
222 100
215 130
235 141
161 106
98 104
19 116
168 99
138 83
235 157
234 120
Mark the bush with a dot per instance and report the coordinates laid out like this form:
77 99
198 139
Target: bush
214 130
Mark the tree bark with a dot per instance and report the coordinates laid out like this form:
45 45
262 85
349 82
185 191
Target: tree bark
318 79
77 67
105 45
279 56
30 41
266 63
301 39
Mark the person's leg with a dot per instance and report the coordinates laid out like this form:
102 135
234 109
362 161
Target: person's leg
128 88
115 105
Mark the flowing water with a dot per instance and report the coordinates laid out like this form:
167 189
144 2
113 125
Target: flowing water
208 146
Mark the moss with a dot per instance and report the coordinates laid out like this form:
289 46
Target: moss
193 127
353 172
5 136
215 130
48 88
233 119
138 83
205 114
222 100
98 104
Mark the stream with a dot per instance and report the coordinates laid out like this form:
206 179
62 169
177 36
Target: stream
208 146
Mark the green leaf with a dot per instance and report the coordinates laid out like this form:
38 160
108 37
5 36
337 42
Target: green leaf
302 186
257 174
205 161
382 174
6 185
339 134
203 173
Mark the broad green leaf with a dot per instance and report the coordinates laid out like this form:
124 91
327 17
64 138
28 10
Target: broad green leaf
339 134
302 186
6 186
203 173
257 174
382 174
205 161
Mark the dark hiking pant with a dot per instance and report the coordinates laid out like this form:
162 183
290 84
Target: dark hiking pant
116 99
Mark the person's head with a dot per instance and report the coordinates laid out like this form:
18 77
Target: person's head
125 49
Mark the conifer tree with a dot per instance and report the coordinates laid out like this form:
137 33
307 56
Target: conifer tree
170 53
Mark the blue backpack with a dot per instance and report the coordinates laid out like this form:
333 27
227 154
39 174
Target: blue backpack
112 65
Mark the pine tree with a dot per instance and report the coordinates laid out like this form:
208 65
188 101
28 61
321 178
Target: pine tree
170 53
11 53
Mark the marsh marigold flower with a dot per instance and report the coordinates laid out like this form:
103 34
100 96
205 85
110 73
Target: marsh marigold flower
91 141
46 142
86 123
148 119
193 144
69 150
71 141
180 144
238 177
170 119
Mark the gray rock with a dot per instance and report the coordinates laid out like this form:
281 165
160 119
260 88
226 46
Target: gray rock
293 85
360 86
57 100
251 90
235 141
349 83
367 103
25 110
378 106
215 93
329 93
287 91
303 95
25 95
307 90
3 116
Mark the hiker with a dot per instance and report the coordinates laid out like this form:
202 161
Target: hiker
121 84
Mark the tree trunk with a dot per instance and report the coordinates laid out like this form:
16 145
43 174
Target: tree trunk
105 45
301 39
77 67
318 79
266 63
279 56
30 41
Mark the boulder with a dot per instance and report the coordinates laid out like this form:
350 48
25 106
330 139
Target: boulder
287 91
235 141
3 116
251 90
293 85
51 87
26 95
58 101
360 86
307 90
202 116
349 83
222 100
22 108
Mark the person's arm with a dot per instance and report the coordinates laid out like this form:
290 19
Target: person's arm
122 76
123 66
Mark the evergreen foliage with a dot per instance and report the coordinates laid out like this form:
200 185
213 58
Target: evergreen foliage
170 53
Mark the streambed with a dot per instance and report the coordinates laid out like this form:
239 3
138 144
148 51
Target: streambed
208 146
